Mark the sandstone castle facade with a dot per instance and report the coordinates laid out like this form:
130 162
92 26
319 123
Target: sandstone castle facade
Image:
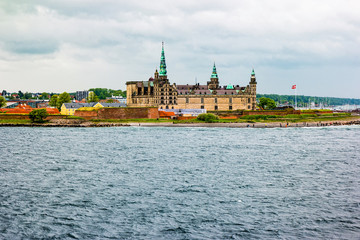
159 92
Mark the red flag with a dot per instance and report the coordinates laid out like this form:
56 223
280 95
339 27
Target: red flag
293 87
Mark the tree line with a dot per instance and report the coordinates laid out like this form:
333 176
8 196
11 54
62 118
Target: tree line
103 93
303 101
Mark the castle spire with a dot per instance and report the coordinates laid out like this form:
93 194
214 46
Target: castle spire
253 78
162 71
214 73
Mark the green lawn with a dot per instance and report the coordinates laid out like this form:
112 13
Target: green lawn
15 121
244 119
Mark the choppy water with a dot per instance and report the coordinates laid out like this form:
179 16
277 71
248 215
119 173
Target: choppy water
179 183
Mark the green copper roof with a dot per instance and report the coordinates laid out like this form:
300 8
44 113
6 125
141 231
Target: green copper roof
163 71
214 73
229 87
253 73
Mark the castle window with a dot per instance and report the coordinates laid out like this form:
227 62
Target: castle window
160 107
248 106
230 100
202 107
230 107
248 100
172 107
187 100
167 107
216 108
215 101
202 100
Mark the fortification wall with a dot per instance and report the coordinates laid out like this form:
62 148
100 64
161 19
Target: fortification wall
119 113
86 114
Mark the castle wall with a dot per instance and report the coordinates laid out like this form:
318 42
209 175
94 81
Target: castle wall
223 102
86 114
130 89
120 113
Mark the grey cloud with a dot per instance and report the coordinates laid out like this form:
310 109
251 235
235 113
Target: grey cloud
32 47
277 34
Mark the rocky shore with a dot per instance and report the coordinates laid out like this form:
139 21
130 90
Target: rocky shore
81 123
251 125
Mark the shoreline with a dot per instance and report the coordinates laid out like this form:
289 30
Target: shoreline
210 125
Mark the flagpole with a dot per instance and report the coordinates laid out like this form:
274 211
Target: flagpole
295 99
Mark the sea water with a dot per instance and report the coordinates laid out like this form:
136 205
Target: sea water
180 183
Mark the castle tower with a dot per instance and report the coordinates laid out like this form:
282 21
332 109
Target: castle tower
253 90
162 72
214 80
253 78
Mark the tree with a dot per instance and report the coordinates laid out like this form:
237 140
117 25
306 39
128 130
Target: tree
2 102
62 98
103 93
38 115
267 103
44 95
27 95
208 117
92 97
110 101
20 94
53 100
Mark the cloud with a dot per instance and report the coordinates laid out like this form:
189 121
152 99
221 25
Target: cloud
32 47
127 36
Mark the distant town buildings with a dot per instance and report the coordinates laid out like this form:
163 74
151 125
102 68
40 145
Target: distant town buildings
158 91
80 95
32 103
119 99
70 108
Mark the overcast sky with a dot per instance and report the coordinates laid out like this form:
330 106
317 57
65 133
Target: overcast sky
70 45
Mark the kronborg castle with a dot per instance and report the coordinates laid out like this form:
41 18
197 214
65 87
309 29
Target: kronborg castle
159 92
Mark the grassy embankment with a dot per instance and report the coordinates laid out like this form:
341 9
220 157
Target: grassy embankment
15 121
291 118
296 118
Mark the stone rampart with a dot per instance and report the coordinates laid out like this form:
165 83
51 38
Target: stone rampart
87 114
119 113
